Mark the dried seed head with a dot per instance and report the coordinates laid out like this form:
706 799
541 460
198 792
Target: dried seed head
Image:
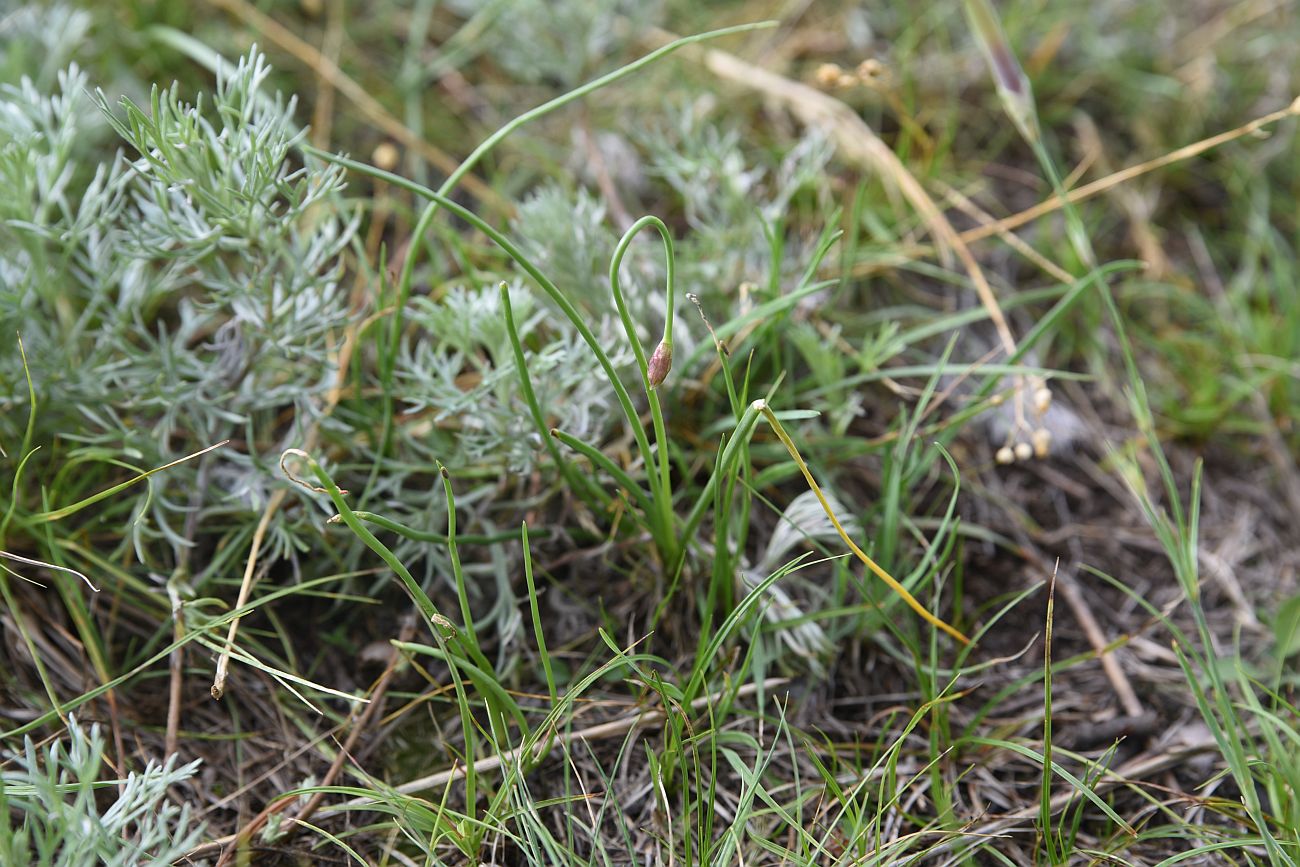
660 363
871 70
828 75
1042 399
385 156
1042 440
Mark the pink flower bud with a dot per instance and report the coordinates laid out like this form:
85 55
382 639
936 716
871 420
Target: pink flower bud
1012 83
660 363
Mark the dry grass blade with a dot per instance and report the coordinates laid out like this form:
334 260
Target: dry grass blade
879 572
1012 240
1101 185
30 562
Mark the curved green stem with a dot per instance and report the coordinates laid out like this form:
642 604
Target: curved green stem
662 490
438 538
564 99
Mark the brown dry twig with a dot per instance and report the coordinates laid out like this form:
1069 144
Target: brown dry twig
1087 191
1101 185
1012 240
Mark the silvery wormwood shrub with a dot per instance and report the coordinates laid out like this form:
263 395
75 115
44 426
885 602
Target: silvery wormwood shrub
51 813
559 42
172 299
39 40
735 197
190 289
458 368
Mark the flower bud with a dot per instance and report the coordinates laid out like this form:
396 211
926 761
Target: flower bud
660 363
1013 85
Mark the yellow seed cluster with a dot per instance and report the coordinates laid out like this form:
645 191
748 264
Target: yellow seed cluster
832 76
1025 442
